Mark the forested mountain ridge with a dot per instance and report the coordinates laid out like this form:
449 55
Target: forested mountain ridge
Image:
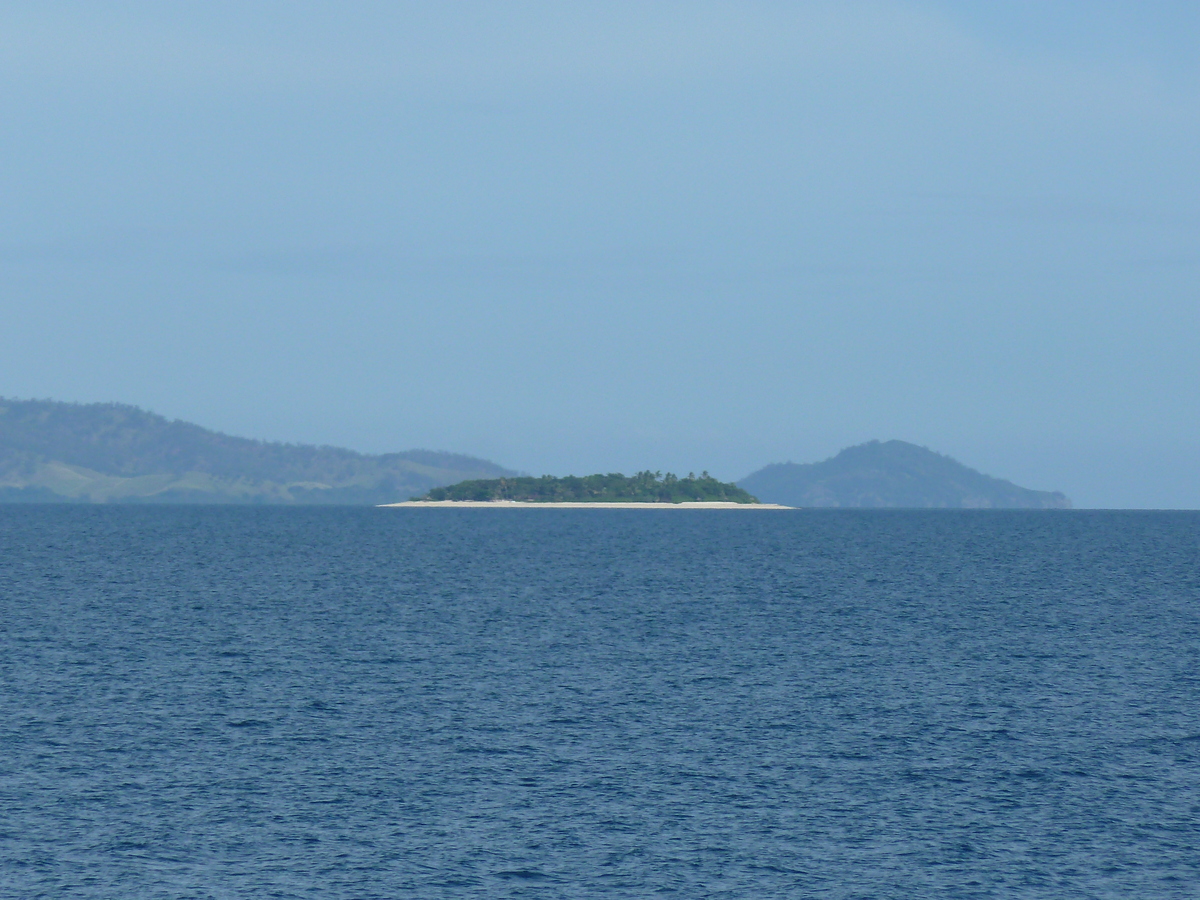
114 452
893 474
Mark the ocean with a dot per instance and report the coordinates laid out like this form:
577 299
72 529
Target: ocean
231 702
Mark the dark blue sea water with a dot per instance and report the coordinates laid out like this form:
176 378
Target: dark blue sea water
362 703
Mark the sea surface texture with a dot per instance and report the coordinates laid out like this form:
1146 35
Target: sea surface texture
395 703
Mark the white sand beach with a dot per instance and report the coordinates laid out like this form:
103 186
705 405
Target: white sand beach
515 504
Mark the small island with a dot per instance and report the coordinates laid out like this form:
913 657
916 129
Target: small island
645 489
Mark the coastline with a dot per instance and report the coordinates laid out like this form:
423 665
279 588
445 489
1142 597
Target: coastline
517 504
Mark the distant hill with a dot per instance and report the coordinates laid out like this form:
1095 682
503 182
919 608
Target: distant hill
644 487
892 474
109 452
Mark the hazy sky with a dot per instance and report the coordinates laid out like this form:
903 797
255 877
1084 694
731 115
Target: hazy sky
573 236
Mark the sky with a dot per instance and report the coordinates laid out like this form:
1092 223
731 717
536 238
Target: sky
611 236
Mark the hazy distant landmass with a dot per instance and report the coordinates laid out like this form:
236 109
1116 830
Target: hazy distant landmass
109 452
644 487
893 474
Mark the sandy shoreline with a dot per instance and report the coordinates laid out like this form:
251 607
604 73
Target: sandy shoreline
514 504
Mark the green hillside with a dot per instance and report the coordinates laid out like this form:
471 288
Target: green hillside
644 487
109 452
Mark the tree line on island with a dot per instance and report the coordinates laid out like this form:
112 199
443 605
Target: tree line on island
644 487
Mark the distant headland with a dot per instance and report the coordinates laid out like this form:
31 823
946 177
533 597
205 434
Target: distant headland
54 452
893 474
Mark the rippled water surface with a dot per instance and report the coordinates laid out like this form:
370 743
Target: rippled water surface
324 703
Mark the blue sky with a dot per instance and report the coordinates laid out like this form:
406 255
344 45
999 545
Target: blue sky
613 236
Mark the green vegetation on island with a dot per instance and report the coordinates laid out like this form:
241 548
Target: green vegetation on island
644 487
